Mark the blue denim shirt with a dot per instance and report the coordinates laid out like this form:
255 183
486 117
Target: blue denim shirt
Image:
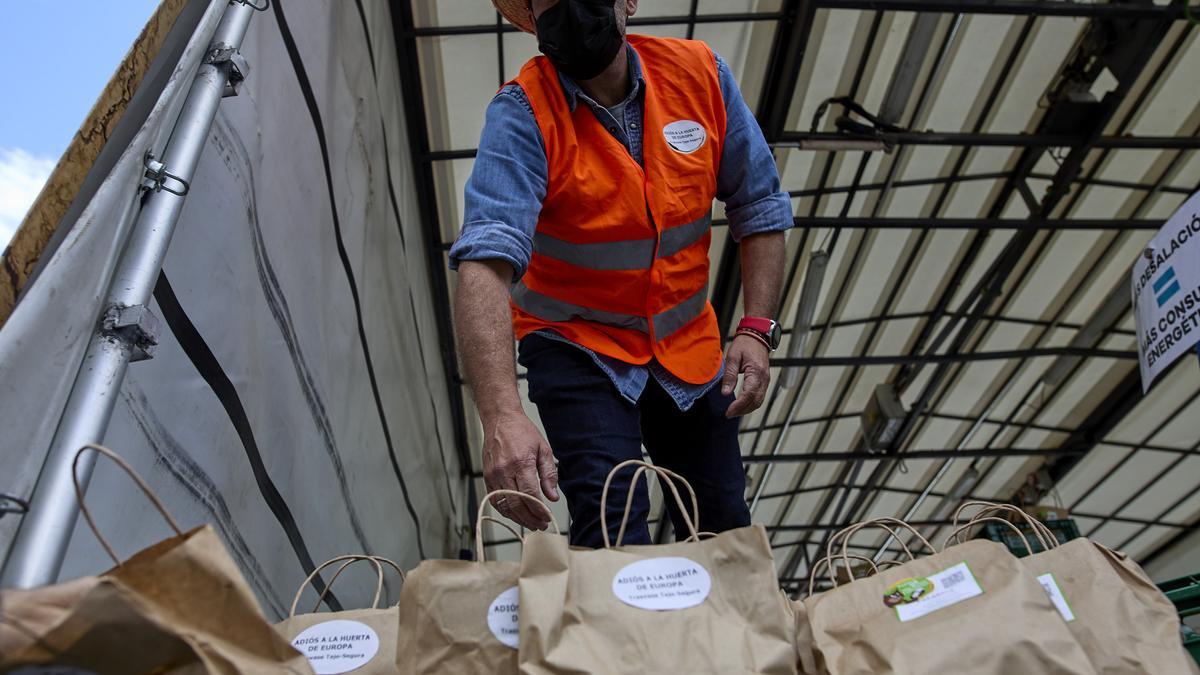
508 184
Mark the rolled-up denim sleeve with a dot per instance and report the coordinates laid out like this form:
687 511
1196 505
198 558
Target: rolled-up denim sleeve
504 194
748 180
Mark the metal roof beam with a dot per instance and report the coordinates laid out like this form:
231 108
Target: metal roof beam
805 457
1113 10
676 19
1010 7
938 495
797 139
979 223
834 527
950 358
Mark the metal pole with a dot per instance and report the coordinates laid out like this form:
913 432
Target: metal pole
127 329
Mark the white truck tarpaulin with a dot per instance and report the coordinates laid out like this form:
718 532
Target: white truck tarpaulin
296 399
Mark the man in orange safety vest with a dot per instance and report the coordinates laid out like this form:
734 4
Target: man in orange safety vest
586 237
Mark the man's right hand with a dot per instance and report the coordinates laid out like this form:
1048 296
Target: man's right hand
517 457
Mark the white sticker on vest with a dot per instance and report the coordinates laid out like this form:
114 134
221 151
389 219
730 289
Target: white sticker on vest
913 598
662 584
337 646
502 617
1056 596
685 136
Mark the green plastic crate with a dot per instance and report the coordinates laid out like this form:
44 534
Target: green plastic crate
1064 530
1184 592
1192 644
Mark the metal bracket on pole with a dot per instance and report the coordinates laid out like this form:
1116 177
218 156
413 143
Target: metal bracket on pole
156 177
239 67
135 325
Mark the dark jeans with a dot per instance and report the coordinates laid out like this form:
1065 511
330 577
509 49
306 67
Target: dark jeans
592 428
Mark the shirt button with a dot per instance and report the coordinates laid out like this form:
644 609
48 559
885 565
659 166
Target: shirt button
633 125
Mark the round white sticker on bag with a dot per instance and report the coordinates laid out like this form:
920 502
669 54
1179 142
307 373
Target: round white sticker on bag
685 136
502 617
337 646
662 584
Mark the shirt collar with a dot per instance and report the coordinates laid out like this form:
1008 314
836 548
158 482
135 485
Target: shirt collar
573 91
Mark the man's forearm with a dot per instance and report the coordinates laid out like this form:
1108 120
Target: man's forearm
485 336
762 273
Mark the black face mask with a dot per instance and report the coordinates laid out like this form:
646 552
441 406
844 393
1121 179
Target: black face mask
580 37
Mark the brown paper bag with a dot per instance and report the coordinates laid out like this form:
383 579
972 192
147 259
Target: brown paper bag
180 605
698 606
358 640
805 653
806 656
970 610
459 616
1121 619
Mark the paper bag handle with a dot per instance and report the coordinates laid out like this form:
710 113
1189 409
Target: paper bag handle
141 483
1043 533
693 523
957 534
487 499
846 546
327 563
496 521
349 560
338 573
847 533
812 574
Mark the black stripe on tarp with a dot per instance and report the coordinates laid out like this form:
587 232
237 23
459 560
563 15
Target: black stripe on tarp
362 16
310 100
387 168
210 369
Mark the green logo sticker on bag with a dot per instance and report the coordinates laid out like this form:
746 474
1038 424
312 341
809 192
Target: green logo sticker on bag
913 598
907 590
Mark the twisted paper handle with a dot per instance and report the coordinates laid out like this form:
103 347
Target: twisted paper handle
488 499
141 483
693 523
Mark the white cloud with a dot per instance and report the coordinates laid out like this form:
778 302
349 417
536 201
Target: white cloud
21 178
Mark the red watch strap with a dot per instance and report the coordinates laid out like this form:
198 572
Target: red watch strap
756 323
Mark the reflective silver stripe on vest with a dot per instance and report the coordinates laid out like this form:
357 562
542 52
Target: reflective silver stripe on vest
671 320
632 254
676 239
665 322
552 309
636 254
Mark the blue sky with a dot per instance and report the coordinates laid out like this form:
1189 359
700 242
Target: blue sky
62 53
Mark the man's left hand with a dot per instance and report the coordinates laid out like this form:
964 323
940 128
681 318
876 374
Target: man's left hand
749 358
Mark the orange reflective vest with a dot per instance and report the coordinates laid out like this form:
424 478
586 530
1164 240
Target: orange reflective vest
620 254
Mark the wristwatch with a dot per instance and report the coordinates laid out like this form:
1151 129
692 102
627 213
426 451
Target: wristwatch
766 330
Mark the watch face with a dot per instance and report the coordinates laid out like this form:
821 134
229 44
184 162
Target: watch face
776 334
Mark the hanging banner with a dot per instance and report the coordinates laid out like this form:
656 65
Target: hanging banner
1166 292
